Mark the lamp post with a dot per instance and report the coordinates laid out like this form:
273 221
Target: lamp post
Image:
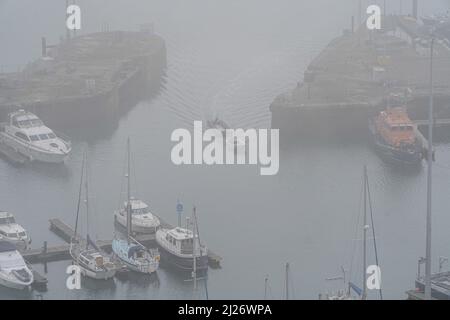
429 179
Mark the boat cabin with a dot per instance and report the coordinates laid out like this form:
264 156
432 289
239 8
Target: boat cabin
138 207
9 229
181 240
28 127
92 258
395 126
6 218
24 119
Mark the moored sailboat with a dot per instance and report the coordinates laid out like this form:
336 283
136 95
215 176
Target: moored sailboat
132 253
350 287
93 262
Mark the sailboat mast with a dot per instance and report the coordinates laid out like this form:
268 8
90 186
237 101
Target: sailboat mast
364 293
287 281
128 192
86 185
194 248
429 181
266 279
79 195
373 231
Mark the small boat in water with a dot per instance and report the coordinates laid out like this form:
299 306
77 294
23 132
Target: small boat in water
233 142
179 246
395 136
130 252
14 272
13 232
93 262
143 221
28 135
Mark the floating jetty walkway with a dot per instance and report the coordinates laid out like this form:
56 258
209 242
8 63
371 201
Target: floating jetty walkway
361 72
65 232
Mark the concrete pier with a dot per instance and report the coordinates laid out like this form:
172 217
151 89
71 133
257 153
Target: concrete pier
362 72
89 80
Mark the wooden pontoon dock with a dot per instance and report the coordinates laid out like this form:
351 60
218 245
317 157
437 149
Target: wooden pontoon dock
65 232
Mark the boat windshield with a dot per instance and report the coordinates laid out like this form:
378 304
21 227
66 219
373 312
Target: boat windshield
28 123
42 137
141 210
7 220
187 246
402 128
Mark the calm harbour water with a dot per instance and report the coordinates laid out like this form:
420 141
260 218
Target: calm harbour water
229 57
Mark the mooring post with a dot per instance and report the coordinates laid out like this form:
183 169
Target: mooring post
44 249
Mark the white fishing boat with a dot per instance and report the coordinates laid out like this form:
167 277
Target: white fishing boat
132 253
143 221
13 232
178 247
14 272
26 134
93 262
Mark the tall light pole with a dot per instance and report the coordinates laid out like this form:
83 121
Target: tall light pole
429 179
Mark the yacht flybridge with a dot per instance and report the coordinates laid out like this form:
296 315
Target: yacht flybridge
27 135
13 232
143 221
14 272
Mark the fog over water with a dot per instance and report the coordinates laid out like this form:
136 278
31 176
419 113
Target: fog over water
229 58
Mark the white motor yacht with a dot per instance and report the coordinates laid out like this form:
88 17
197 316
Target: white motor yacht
27 135
143 221
13 232
14 272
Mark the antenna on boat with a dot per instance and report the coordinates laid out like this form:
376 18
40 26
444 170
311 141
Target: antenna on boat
429 181
129 221
179 212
